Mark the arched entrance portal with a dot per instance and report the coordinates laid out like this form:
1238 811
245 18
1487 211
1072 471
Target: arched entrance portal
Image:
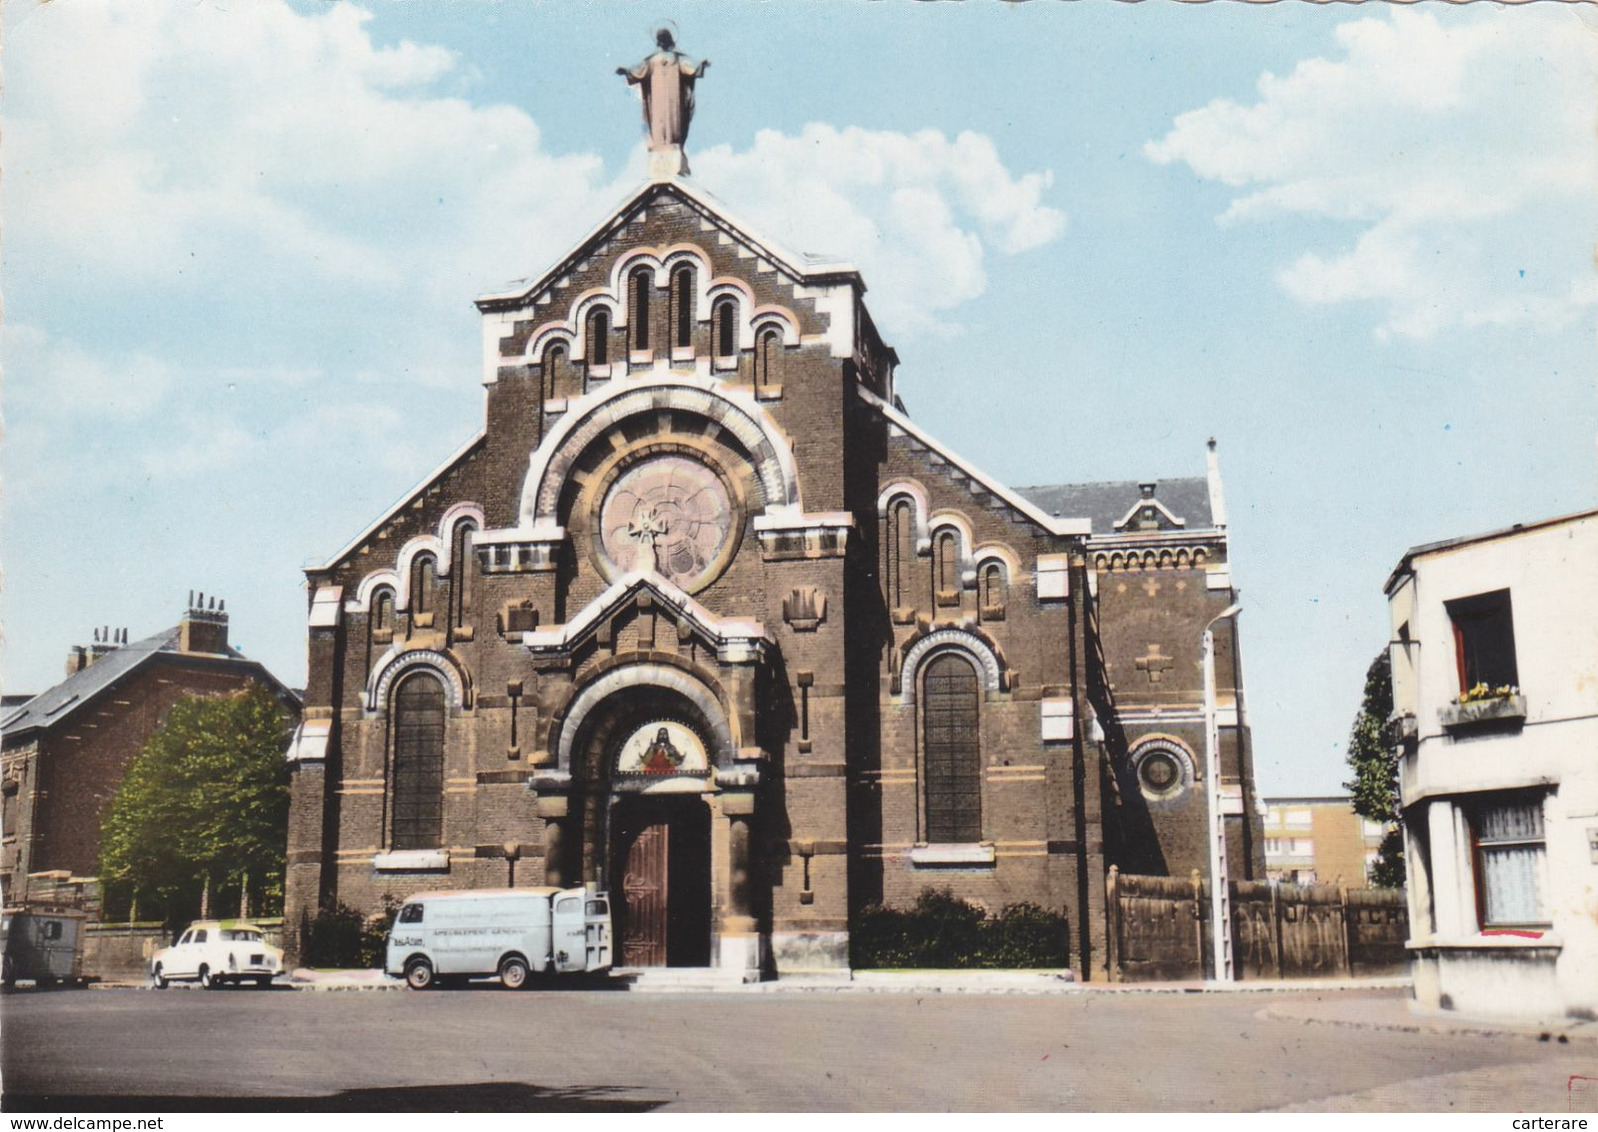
643 763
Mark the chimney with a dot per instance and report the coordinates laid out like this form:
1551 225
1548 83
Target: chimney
103 643
77 659
203 630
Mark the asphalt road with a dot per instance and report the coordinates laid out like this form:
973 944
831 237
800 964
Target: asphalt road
491 1050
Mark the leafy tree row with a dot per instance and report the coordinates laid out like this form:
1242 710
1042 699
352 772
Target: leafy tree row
202 812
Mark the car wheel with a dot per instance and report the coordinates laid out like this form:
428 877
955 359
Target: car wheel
418 974
513 972
158 978
208 980
263 981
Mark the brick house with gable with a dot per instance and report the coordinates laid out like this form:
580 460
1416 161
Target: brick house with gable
65 750
703 618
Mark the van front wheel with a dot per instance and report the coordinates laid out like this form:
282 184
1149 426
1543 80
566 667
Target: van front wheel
513 972
418 974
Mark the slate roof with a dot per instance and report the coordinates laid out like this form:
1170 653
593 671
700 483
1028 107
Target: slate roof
1106 503
50 707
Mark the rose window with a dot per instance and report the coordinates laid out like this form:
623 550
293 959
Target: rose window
670 514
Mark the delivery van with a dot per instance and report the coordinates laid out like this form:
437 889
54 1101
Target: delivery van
42 944
444 937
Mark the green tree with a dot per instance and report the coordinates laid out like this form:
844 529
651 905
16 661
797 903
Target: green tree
204 804
1373 757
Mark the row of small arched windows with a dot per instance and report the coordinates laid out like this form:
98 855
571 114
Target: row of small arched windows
724 322
901 583
426 594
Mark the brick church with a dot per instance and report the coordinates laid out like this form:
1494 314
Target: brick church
702 617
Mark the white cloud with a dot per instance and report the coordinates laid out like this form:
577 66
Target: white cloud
1459 146
912 211
53 377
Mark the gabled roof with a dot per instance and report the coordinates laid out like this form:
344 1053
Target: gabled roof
1064 523
51 707
797 264
1108 503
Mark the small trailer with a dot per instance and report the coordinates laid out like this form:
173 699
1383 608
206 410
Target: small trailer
443 937
42 945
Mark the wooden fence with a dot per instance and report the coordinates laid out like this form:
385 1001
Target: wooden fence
1159 929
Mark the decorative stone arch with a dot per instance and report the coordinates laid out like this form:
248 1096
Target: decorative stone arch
1185 761
920 508
981 654
547 335
446 532
581 308
420 544
769 316
394 664
964 560
992 551
362 601
591 417
706 697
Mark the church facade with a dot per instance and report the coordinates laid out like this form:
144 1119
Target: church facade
703 618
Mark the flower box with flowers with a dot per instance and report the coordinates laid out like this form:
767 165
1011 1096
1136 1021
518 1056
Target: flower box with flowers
1482 705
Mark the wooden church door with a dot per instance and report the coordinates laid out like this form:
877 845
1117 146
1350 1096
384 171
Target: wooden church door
644 876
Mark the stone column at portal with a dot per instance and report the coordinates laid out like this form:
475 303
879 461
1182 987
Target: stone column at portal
555 810
738 934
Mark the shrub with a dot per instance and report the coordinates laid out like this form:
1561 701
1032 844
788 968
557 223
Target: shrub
341 936
944 931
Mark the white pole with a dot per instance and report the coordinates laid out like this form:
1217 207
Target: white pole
1220 884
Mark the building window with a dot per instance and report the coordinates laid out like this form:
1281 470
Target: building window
639 302
599 339
767 350
725 320
418 762
1484 641
424 577
554 367
460 573
381 619
950 707
1510 857
682 308
995 591
901 549
946 580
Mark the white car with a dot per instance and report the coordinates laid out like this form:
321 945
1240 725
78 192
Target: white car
214 953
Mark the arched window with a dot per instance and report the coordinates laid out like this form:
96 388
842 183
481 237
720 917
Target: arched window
638 302
554 368
682 308
901 551
767 350
726 330
461 563
599 338
418 808
380 621
950 720
994 591
424 577
946 569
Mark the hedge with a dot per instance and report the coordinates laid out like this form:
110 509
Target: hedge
945 932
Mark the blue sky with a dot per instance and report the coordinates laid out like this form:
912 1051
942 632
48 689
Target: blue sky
1353 244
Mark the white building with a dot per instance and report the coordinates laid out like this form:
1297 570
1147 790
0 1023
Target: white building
1495 685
